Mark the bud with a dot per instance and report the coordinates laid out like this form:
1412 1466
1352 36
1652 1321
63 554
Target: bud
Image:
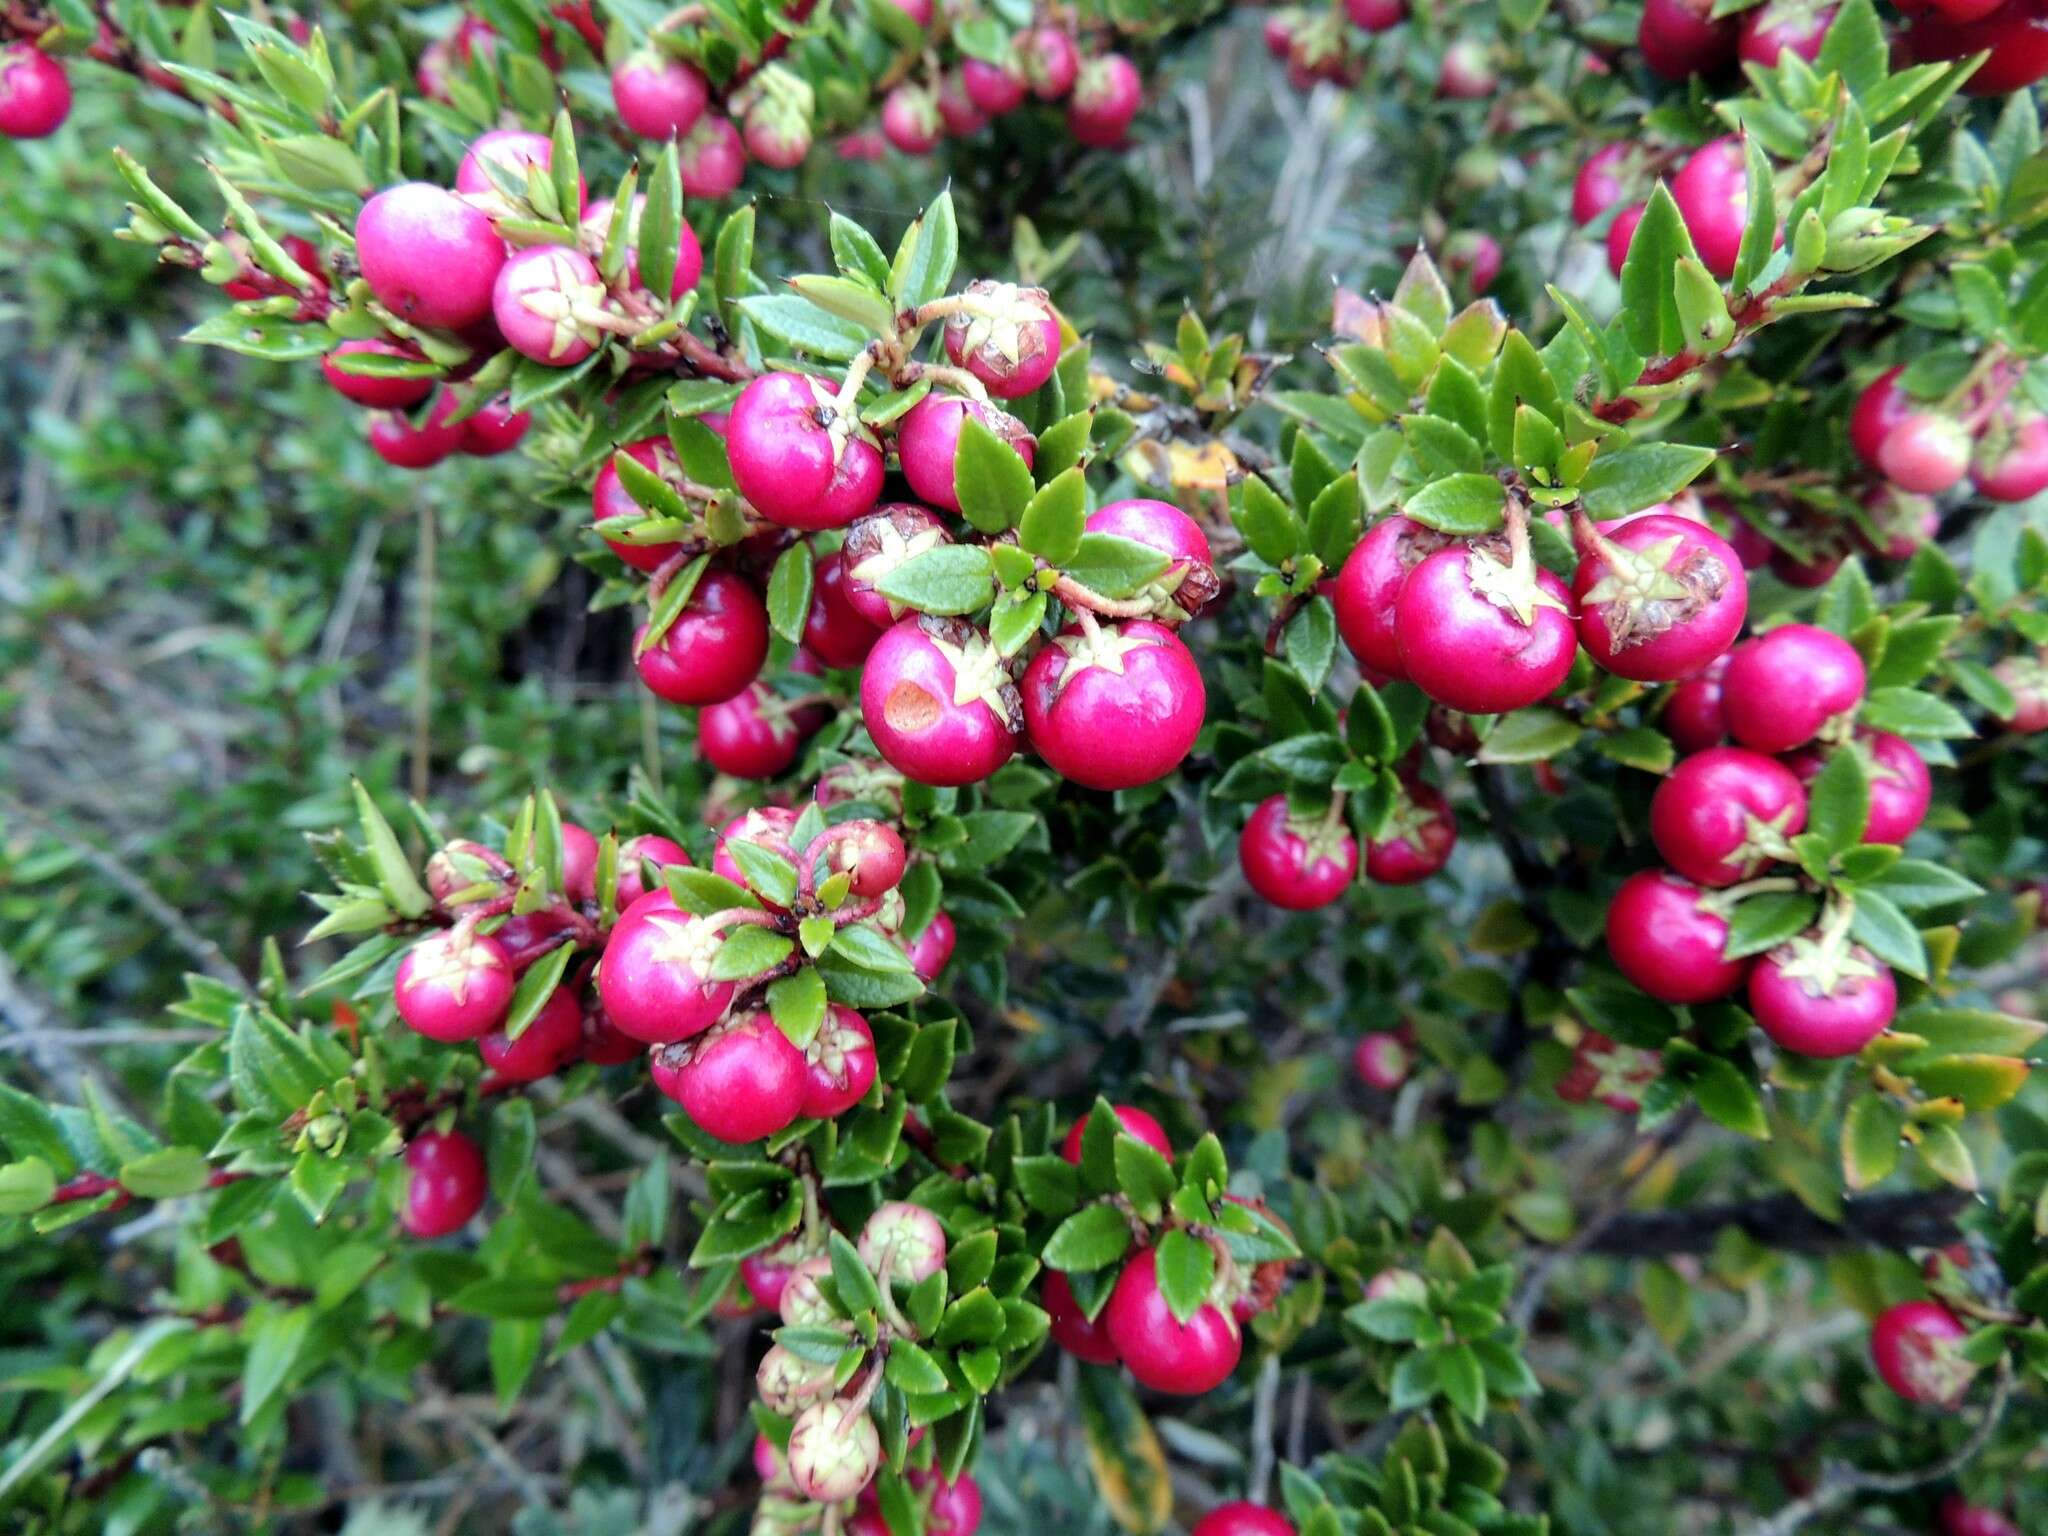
834 1451
903 1242
1863 237
803 1303
788 1382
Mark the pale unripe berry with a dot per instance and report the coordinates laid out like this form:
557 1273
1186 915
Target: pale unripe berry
903 1242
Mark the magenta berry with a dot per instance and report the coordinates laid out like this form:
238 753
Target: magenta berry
35 93
788 460
1010 339
1959 1517
750 735
1243 1519
635 853
1900 787
932 948
871 854
597 223
1601 183
510 149
1051 61
1476 256
1620 233
549 1043
1880 407
529 935
604 1045
1467 73
1381 1060
658 97
1482 635
1783 26
1419 837
653 978
939 702
836 631
1369 584
1376 15
2026 679
775 136
1927 452
1712 193
1072 1329
1723 814
741 1080
1692 710
1609 1073
1189 583
1107 95
543 302
494 428
1818 996
1164 1353
954 1509
877 544
1114 706
1682 38
2011 462
609 499
1132 1121
444 1184
768 826
1781 688
384 394
994 89
839 1064
766 1277
428 256
1659 597
714 648
1917 1349
1296 864
928 442
713 159
910 119
902 1243
420 443
1663 939
454 985
834 1451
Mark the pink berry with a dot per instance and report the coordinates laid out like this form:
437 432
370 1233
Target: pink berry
788 462
786 1383
1107 95
2011 462
1072 1329
1481 637
932 948
1783 26
604 1045
1781 688
1712 193
428 256
714 648
954 1508
1818 998
740 1080
776 136
713 158
2026 679
1051 61
1900 788
870 854
1621 232
910 119
658 97
766 1277
635 853
549 1043
1474 254
1880 407
1296 865
1240 1518
384 394
609 498
1664 941
1165 1354
839 1064
597 223
540 300
1381 1060
35 93
1418 840
876 545
1115 708
1601 182
995 89
1612 1074
444 1184
835 631
652 980
1927 452
510 149
1917 1349
939 702
1959 1517
1467 73
493 429
928 443
1681 38
768 826
1692 710
1011 342
1723 814
750 735
1132 1121
454 985
1659 597
919 11
419 443
1370 583
527 936
1376 15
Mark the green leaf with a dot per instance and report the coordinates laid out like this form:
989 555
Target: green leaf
804 327
165 1173
1886 932
767 873
26 1186
1529 736
1185 1267
797 1004
913 1370
924 261
948 579
1114 566
394 870
1312 642
273 1337
28 1129
1629 479
1838 803
1763 922
1909 712
535 987
789 592
856 251
850 299
750 951
1649 302
1145 1177
1091 1238
1055 518
1459 504
1268 524
661 218
1462 1381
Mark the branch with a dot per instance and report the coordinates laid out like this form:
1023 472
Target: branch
1841 1482
1923 1219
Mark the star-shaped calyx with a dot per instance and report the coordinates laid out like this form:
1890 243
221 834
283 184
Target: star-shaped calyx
683 941
1510 584
1003 319
567 305
1764 839
1823 961
1103 647
1643 594
449 962
890 550
979 673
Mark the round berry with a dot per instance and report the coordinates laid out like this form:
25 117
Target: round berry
790 464
1010 340
379 393
1107 95
653 980
1662 939
1081 1336
939 702
1783 687
658 97
1164 1353
1479 635
714 648
1815 996
35 92
839 1064
1114 706
1369 585
740 1080
428 256
444 1183
1132 1121
1917 1349
1723 814
454 985
1927 452
1296 864
928 443
549 1043
1659 597
932 948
